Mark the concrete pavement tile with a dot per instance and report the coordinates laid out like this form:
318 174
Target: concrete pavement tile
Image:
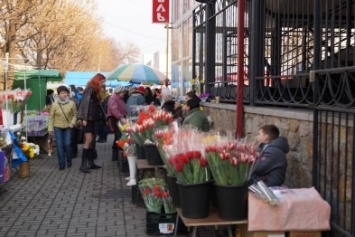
69 203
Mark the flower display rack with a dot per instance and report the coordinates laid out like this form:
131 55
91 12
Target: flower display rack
161 223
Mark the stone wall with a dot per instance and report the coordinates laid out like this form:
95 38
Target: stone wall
296 125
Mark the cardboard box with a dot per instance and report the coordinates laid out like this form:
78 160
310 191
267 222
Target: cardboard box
265 234
305 234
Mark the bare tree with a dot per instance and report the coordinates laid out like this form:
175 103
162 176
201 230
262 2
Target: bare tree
61 34
13 18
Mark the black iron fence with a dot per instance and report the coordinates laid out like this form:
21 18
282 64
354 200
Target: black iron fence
298 54
334 145
333 167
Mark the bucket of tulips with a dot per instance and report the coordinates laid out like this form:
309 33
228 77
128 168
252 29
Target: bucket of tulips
160 208
231 164
187 162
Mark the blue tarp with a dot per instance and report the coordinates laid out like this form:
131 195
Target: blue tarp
79 78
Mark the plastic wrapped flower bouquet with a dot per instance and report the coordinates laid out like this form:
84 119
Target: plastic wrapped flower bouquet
156 195
231 162
185 157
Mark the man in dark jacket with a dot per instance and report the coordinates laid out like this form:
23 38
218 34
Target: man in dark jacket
272 164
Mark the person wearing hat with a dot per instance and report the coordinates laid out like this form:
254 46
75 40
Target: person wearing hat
116 111
88 114
195 117
136 97
62 118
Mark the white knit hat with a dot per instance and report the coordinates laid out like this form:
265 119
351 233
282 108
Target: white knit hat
119 89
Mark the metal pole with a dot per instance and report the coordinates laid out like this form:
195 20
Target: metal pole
240 66
167 51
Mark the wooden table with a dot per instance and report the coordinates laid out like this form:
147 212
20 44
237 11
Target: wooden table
142 166
212 220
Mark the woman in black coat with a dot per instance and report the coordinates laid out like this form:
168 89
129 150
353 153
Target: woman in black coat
88 114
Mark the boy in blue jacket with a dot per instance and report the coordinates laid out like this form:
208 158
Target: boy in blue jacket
272 164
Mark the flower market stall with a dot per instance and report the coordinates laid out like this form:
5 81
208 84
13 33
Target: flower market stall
36 122
12 111
209 183
36 81
12 106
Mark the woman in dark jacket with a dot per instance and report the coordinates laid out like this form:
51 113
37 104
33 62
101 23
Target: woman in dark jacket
272 165
88 112
195 117
148 96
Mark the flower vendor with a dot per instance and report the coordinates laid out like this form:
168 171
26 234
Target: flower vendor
195 117
272 164
61 119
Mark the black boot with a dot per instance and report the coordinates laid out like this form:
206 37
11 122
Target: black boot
94 154
114 155
84 161
91 160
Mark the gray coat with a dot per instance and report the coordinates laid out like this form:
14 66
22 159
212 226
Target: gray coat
272 164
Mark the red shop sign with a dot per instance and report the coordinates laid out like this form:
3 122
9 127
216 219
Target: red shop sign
160 11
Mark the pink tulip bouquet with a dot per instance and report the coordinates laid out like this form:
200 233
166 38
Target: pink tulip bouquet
231 162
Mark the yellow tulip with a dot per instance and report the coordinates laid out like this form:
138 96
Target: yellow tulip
32 153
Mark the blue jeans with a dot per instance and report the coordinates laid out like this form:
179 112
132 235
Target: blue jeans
63 138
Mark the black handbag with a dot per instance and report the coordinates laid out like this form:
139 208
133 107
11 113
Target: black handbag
81 135
101 115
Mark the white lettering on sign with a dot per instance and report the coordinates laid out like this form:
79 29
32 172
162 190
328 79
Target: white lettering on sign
160 17
160 8
160 11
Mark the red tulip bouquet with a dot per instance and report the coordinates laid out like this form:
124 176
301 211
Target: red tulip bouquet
185 157
168 205
156 195
231 162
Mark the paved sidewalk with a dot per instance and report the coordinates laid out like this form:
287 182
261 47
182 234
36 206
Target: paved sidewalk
69 203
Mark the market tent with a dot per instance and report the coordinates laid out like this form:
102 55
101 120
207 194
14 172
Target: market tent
36 81
81 78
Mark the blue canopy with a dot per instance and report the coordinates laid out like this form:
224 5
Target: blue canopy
81 78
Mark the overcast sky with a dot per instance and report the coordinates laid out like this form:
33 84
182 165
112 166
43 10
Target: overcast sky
131 21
